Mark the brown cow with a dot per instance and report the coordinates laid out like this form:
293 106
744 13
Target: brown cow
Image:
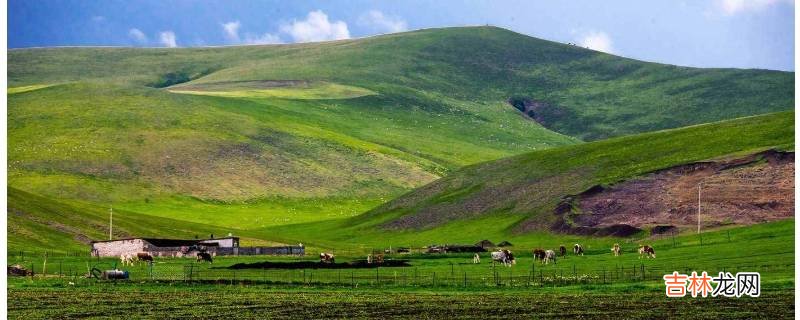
144 256
538 254
647 251
563 251
325 257
204 256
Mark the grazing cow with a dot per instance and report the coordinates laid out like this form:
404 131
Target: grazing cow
549 255
144 256
616 250
504 256
577 249
476 259
327 257
204 256
563 251
127 259
647 251
538 254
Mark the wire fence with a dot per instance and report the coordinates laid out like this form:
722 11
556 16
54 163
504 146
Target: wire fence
452 275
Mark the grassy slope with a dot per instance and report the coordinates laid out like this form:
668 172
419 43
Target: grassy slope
603 95
39 223
88 124
498 199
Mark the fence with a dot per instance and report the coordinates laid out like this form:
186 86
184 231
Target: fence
535 275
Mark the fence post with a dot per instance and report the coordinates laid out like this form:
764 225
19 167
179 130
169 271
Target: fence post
541 278
604 274
434 278
574 274
643 275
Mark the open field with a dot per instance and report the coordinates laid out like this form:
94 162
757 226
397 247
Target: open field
766 248
243 302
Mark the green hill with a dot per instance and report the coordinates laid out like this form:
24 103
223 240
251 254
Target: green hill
514 198
257 136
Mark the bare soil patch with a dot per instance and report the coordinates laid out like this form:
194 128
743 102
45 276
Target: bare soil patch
754 189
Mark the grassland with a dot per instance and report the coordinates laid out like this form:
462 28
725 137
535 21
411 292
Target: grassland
237 302
365 120
594 285
514 198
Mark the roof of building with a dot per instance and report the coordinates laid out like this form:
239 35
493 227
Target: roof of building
160 242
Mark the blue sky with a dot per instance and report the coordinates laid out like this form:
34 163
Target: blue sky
713 33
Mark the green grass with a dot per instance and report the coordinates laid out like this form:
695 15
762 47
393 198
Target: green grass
609 283
314 90
514 198
597 95
26 88
102 128
236 302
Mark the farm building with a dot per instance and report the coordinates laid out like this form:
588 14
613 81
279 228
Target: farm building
485 244
180 247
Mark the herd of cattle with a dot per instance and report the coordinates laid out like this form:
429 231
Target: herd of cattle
506 257
131 259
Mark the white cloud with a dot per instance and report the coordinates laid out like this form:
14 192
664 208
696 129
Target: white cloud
167 38
732 7
316 27
231 30
377 20
267 38
137 35
595 40
98 18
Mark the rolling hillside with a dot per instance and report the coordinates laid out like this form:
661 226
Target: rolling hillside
257 136
519 197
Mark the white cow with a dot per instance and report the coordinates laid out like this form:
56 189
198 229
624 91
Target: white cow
616 250
505 257
549 255
128 259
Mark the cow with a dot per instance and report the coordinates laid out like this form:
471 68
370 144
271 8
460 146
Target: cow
562 251
127 259
647 251
144 256
616 250
325 257
504 256
538 254
577 249
549 255
476 259
204 256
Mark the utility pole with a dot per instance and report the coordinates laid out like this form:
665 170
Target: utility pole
699 185
110 222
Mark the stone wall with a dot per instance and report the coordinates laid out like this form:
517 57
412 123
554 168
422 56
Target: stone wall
117 248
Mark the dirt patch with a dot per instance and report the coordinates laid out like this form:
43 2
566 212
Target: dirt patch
545 113
754 189
357 264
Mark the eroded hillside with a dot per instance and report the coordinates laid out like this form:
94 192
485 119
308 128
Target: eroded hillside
743 191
